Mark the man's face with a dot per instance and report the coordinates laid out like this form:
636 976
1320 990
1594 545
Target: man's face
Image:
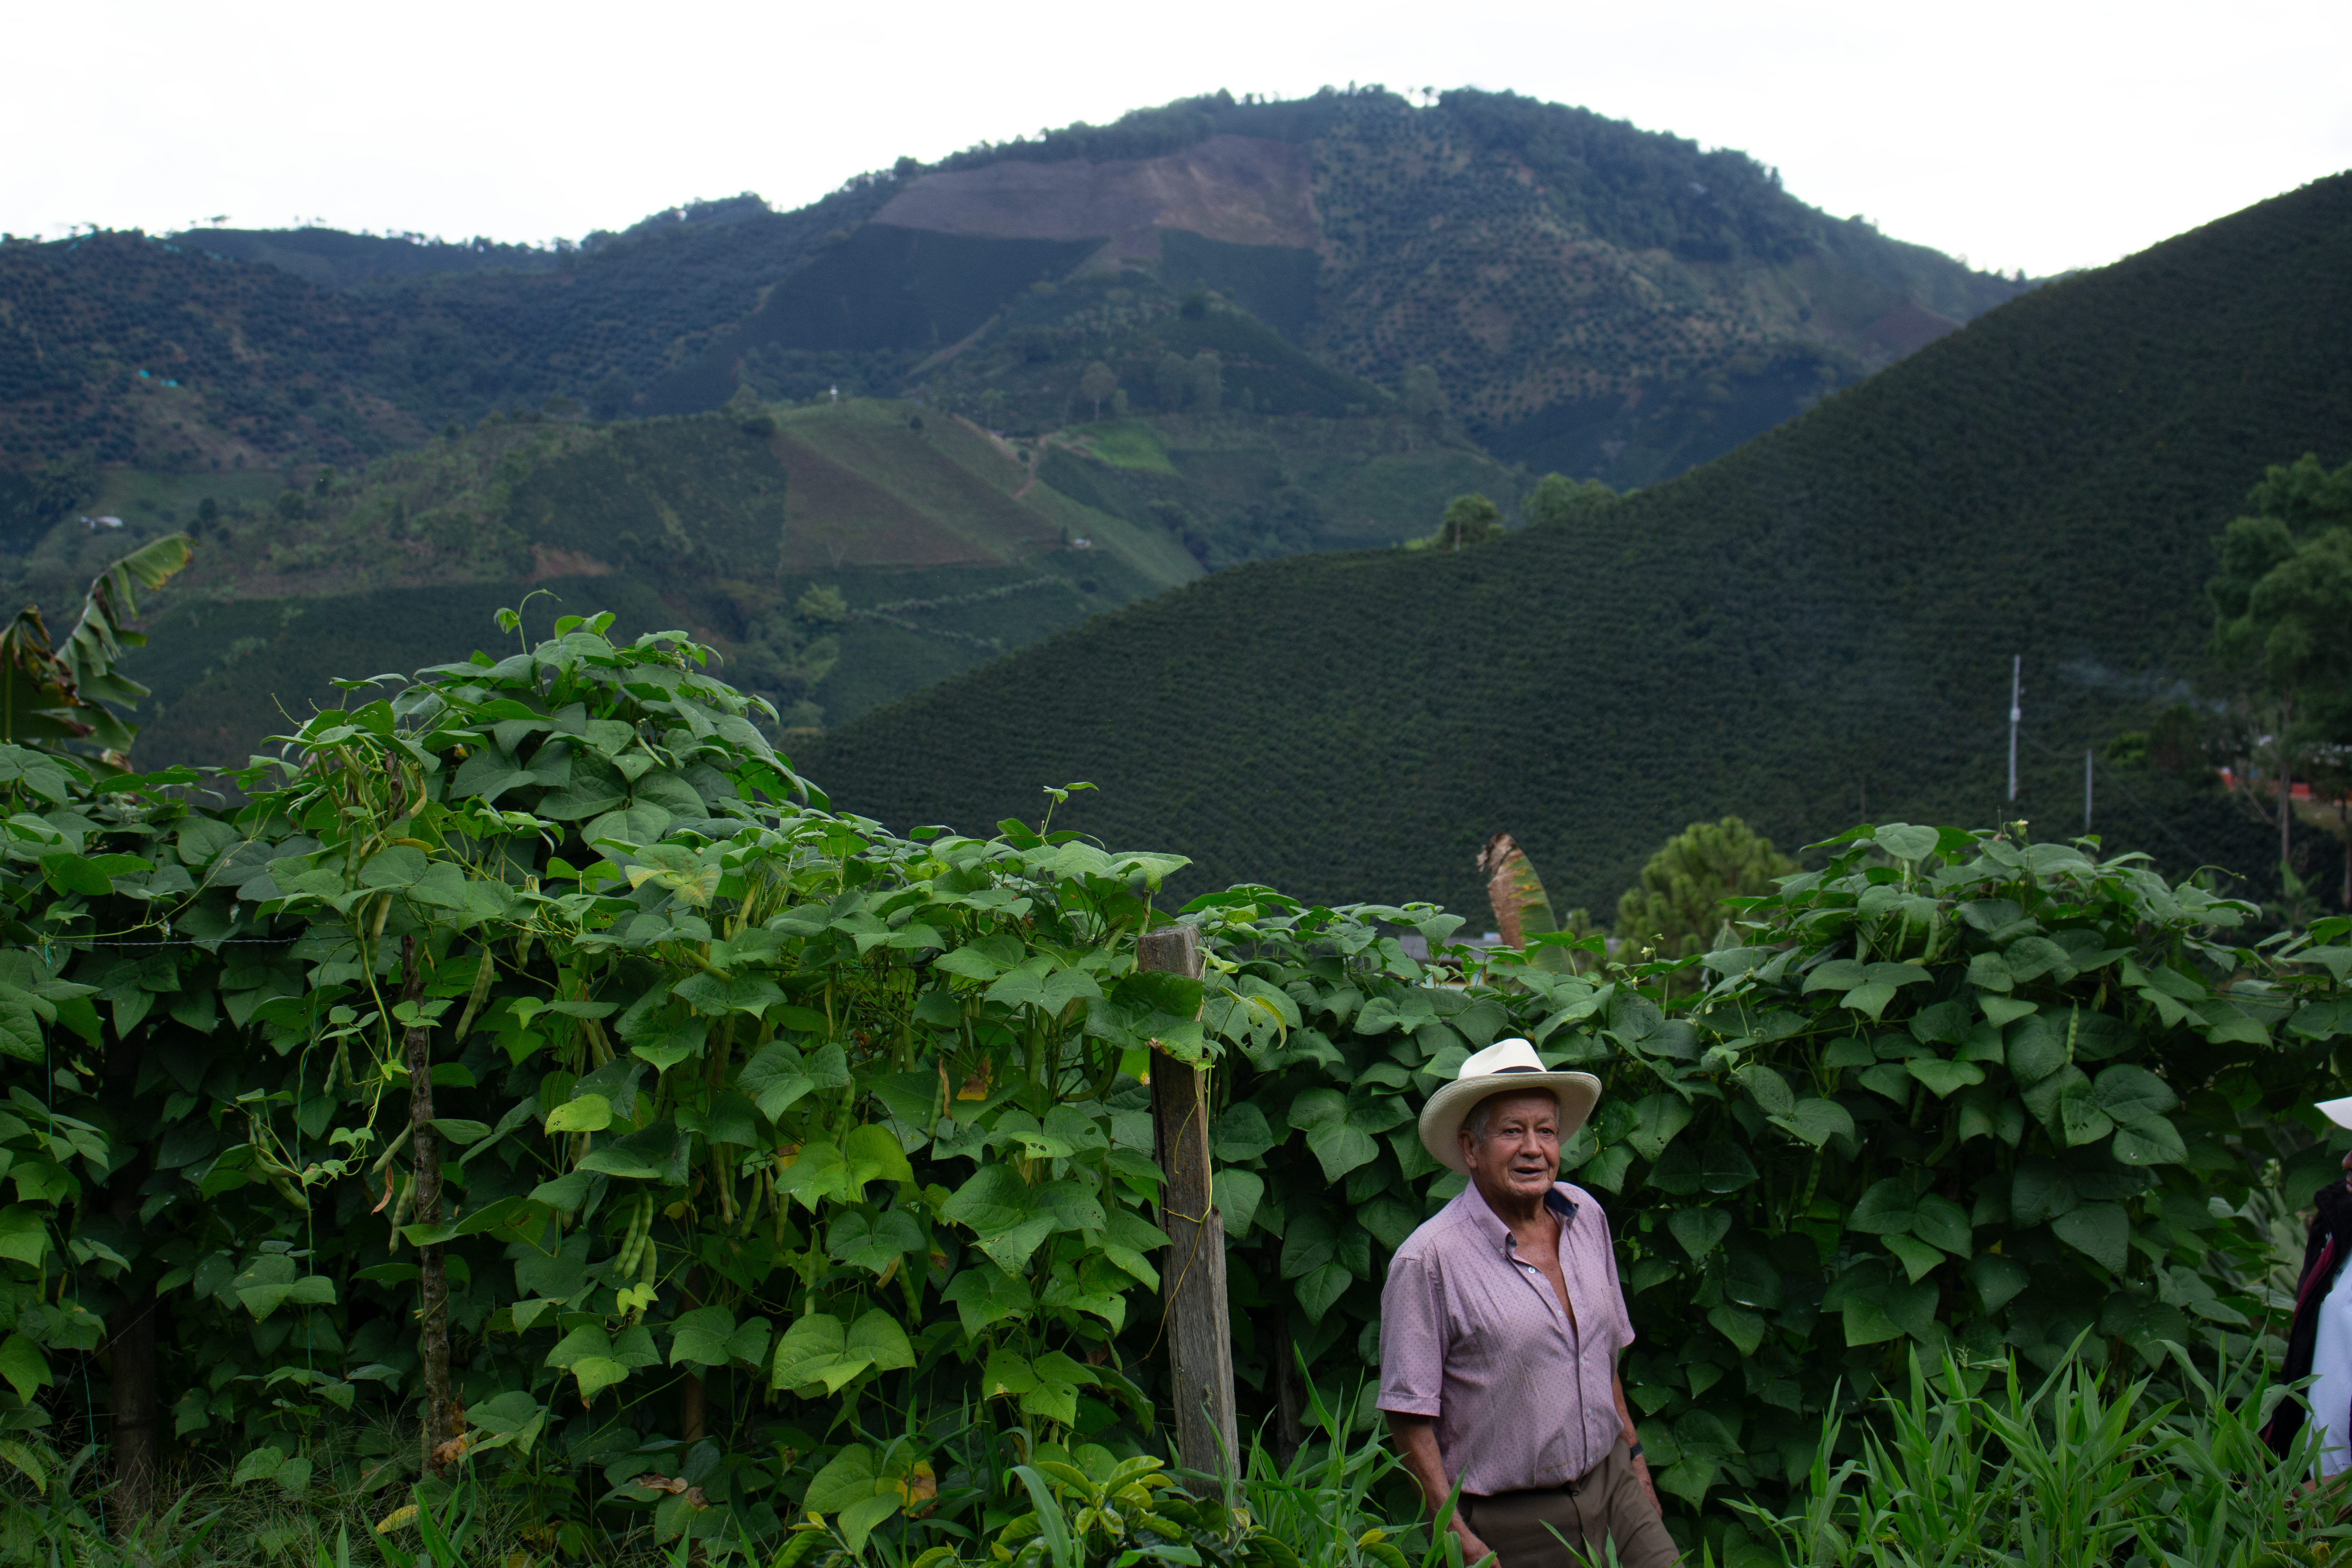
1520 1153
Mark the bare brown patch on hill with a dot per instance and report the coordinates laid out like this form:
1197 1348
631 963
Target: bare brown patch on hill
1244 190
554 561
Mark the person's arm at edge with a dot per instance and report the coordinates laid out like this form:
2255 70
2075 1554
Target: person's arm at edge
1415 1440
1632 1435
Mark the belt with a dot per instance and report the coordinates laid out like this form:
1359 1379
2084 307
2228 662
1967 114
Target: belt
1565 1488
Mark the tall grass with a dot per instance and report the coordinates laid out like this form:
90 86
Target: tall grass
1970 1467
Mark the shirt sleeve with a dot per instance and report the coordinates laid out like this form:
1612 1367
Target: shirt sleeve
1413 1338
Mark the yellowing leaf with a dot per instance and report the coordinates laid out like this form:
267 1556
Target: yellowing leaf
589 1113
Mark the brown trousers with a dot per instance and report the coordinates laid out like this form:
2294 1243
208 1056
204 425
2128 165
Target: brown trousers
1604 1507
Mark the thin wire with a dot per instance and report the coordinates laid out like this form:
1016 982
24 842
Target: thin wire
82 941
2147 810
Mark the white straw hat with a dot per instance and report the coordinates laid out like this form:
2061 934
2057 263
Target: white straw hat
2339 1112
1506 1066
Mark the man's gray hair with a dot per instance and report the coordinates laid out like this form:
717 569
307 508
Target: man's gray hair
1481 1120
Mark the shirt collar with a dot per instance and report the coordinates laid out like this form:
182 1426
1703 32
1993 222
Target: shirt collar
1480 1217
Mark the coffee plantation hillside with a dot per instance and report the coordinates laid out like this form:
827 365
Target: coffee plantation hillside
1820 622
837 556
534 1058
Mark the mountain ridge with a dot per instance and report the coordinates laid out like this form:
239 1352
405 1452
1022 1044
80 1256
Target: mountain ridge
1536 258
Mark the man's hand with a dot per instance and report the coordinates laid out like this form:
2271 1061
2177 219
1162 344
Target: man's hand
1642 1470
1633 1435
1414 1438
1472 1548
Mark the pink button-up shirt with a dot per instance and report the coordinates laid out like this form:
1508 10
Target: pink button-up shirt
1472 1333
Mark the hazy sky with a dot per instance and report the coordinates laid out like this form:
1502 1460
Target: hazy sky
2042 136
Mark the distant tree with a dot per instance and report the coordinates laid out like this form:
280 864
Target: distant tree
1097 381
2282 626
1208 381
1196 305
1676 909
324 484
291 506
1119 403
1423 394
1558 499
1171 382
1469 520
822 605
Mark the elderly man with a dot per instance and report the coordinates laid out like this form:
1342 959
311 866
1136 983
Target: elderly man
1501 1328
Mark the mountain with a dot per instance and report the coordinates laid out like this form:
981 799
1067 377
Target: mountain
1213 332
1590 297
1814 627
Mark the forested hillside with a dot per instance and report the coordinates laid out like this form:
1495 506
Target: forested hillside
1589 296
1828 613
1218 332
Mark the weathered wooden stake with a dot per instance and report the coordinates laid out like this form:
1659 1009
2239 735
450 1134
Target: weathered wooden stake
1193 1270
433 1311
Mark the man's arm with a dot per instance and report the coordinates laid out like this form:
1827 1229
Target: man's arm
1416 1438
1632 1435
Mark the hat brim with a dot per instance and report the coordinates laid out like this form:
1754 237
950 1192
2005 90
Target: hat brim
1442 1118
2339 1112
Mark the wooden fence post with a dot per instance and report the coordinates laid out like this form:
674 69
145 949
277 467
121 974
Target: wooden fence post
1193 1270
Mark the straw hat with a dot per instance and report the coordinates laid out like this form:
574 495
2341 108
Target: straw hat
2339 1112
1506 1066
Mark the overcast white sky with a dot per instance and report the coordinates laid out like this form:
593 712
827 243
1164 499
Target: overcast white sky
2043 136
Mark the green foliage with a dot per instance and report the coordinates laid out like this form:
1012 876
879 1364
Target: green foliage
1676 909
842 1133
1559 502
1469 520
2283 598
1428 218
2087 1468
50 696
1949 1091
730 1089
1824 617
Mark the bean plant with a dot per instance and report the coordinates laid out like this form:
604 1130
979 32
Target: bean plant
524 1075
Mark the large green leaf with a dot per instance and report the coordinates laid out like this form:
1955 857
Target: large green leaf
984 1294
2130 1093
2101 1231
814 1354
1699 1230
1002 1212
1320 1289
875 1244
1656 1120
24 1234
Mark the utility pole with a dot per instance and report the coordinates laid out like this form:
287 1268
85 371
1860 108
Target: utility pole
2016 693
2086 791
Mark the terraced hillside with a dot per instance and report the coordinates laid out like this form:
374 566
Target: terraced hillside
948 543
1817 626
